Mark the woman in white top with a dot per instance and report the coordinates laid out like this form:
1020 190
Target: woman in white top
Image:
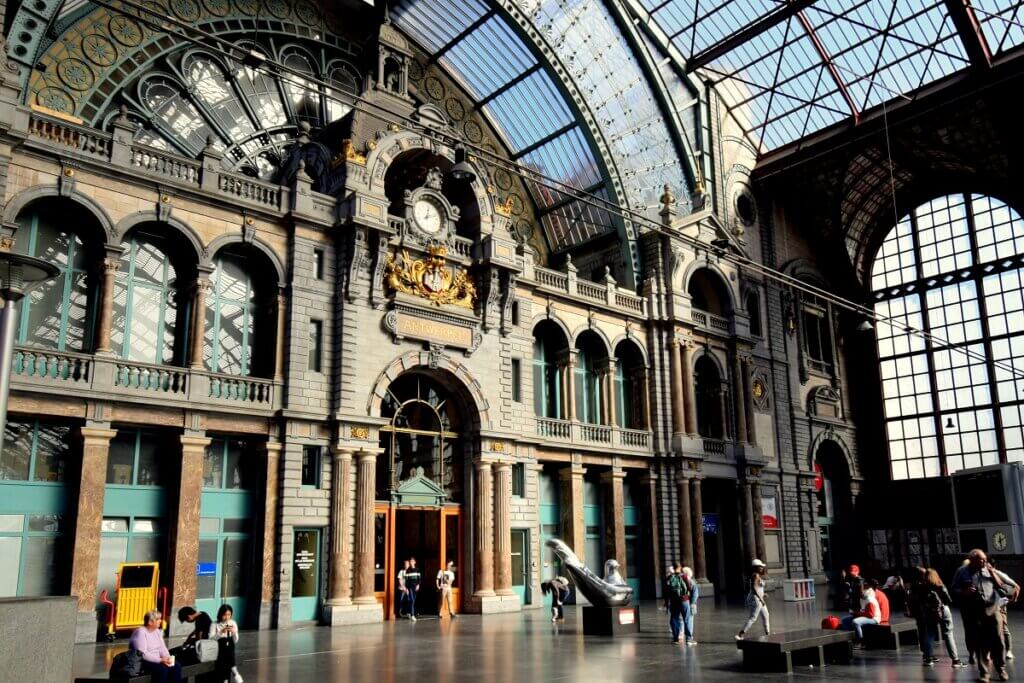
756 606
225 632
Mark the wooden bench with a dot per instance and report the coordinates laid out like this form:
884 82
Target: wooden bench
890 636
192 673
780 651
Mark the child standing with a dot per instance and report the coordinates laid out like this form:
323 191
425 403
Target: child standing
226 633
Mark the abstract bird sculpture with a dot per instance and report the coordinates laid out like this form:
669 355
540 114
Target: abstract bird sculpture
599 592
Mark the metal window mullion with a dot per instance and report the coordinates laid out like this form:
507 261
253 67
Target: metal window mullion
65 297
135 467
129 300
940 442
26 302
161 315
215 343
247 309
32 450
986 335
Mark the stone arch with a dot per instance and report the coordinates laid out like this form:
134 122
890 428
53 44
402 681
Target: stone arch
225 240
558 322
715 269
704 352
632 341
200 253
609 350
830 435
437 364
16 204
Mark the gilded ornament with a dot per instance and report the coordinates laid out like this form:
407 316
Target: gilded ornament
434 87
497 447
758 388
456 110
351 154
359 432
474 133
430 279
55 99
505 209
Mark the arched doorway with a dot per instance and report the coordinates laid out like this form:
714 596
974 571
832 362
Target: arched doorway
421 477
834 507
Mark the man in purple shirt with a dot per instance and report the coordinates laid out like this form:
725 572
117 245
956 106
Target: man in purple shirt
156 660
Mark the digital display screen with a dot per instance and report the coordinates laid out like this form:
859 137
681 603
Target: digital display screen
980 498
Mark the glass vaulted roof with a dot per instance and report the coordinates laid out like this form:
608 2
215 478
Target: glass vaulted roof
788 68
517 92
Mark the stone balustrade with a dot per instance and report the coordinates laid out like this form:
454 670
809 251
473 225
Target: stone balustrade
593 435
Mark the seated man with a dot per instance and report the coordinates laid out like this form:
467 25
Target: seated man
869 613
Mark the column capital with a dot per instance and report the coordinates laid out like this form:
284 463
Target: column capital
572 471
271 448
96 435
342 452
194 442
111 265
368 453
501 465
612 475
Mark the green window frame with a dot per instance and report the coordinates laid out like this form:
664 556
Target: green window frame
40 437
588 394
312 467
222 535
22 537
518 479
547 390
140 532
132 287
225 466
144 449
64 257
222 305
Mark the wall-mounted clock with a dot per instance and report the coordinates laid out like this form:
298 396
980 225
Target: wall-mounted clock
999 541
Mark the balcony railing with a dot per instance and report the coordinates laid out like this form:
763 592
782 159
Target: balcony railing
151 378
56 366
595 433
554 429
244 389
635 438
709 321
586 434
714 446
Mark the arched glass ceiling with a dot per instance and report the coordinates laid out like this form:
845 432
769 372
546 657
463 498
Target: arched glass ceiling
475 43
788 68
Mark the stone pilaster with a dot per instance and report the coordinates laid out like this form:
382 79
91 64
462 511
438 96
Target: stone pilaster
755 497
571 508
652 518
85 556
282 336
340 588
685 524
749 546
503 528
482 532
614 524
739 402
676 367
366 484
689 390
271 468
185 528
700 567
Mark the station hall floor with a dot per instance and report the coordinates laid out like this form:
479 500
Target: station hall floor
527 648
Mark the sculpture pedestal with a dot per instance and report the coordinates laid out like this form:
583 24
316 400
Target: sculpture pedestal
610 621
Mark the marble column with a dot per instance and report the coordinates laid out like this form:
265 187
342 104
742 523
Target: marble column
340 588
85 557
676 367
570 387
198 330
646 398
571 508
366 485
700 567
612 403
748 523
483 532
747 368
503 528
739 402
111 265
185 527
614 524
272 463
685 520
689 390
282 336
652 523
755 497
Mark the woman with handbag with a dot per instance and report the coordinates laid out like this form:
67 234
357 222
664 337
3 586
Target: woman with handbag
928 603
187 653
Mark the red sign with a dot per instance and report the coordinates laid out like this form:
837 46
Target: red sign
627 616
819 478
769 514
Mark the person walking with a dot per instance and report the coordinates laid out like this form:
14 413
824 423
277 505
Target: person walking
1003 605
412 585
690 606
403 591
981 588
756 605
675 593
928 602
445 581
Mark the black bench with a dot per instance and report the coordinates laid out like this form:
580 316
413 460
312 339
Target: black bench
192 673
890 636
780 651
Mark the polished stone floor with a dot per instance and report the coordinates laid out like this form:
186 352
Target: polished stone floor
527 648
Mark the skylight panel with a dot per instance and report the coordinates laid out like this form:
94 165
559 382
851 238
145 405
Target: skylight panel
529 111
489 57
436 23
567 158
1002 22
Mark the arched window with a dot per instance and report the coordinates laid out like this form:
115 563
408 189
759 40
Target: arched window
345 84
164 97
590 355
549 351
710 399
59 314
303 95
233 310
423 432
753 307
629 386
954 402
207 80
708 293
145 312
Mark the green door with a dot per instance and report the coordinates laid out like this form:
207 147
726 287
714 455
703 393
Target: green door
521 565
306 575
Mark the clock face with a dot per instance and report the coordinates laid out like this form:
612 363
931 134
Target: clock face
427 216
999 540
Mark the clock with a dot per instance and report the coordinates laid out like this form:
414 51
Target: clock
427 215
999 541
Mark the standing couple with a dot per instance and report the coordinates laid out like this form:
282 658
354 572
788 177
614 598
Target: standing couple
681 594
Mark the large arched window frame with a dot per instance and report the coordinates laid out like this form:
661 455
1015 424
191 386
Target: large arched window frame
231 313
146 303
952 269
589 401
60 314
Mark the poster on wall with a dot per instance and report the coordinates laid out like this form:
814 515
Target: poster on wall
769 514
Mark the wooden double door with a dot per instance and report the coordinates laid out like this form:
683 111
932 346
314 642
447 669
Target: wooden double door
430 534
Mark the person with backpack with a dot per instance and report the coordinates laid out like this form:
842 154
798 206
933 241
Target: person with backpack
756 605
675 595
928 602
690 606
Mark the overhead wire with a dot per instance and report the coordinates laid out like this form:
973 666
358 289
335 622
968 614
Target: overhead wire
357 102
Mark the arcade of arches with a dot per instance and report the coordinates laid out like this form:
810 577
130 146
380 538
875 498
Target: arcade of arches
309 321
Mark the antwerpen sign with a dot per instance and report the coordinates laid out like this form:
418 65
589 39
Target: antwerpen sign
438 328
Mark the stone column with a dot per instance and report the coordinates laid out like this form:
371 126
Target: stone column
111 265
340 588
676 367
570 387
700 567
755 496
282 336
272 464
689 390
614 524
185 527
85 556
366 484
503 528
198 323
570 507
652 520
685 523
611 403
748 523
646 398
482 532
739 402
747 367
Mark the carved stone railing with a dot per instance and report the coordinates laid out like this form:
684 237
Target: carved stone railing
57 366
158 379
396 223
629 301
462 247
595 433
589 290
85 140
242 389
710 321
160 163
635 438
244 187
551 278
713 446
607 293
587 435
551 428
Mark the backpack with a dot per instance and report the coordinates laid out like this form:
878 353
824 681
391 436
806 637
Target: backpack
126 665
677 587
933 605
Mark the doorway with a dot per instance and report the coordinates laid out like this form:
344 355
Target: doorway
306 575
521 565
